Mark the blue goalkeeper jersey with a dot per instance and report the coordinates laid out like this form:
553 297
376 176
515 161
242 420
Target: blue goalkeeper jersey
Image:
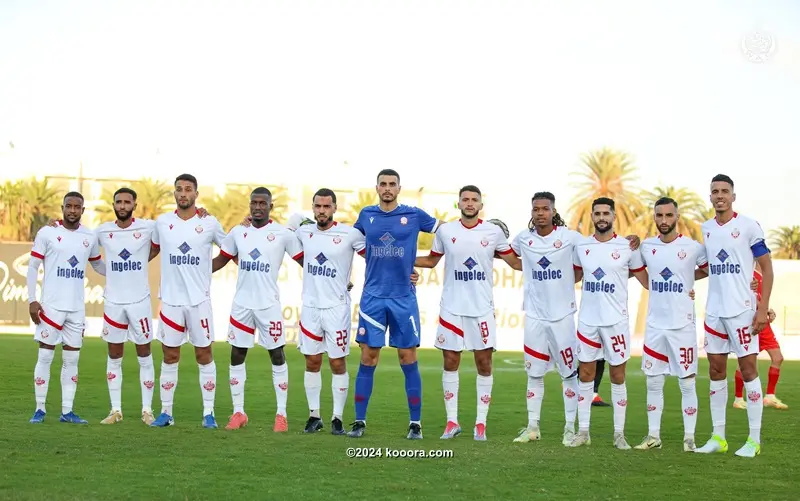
391 239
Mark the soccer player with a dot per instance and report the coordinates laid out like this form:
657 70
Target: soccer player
184 240
606 261
670 340
60 316
127 314
325 318
388 300
766 342
259 250
734 315
466 316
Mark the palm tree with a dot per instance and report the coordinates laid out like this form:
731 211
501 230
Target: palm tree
280 203
786 242
425 241
14 213
44 202
230 208
690 205
152 199
607 173
365 199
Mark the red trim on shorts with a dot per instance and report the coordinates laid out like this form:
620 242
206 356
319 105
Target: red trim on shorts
655 354
447 325
436 254
95 258
536 354
49 322
310 334
36 254
243 327
113 323
507 251
585 340
712 331
638 269
172 324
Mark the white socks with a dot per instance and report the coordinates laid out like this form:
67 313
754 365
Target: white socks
571 391
586 390
208 386
69 379
41 377
755 407
114 377
619 395
689 405
168 381
238 376
719 400
312 381
535 395
280 380
450 389
655 404
484 386
147 377
339 386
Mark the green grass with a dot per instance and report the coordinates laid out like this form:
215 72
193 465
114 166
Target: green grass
129 461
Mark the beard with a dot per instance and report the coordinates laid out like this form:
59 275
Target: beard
669 230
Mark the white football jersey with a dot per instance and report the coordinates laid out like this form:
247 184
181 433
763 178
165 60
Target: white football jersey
670 271
186 257
260 252
548 267
604 296
468 263
327 263
731 250
65 254
127 251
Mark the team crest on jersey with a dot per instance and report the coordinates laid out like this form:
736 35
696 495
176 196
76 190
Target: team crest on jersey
45 334
137 235
615 255
682 254
403 220
271 237
484 242
735 233
557 244
337 240
199 229
86 243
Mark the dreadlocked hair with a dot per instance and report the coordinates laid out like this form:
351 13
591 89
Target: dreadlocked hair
546 195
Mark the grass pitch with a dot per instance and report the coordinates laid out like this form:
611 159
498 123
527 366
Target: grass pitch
130 461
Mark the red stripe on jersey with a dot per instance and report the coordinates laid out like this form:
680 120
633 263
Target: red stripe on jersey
536 354
362 252
298 256
452 328
153 244
95 258
229 256
36 254
638 269
113 323
436 254
507 251
242 327
310 334
704 265
588 341
655 354
712 331
172 324
49 322
577 267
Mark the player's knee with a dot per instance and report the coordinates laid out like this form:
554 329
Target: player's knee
238 355
617 374
777 360
586 371
277 356
115 350
203 356
655 383
338 365
407 356
452 360
717 367
369 355
313 363
483 363
143 350
687 384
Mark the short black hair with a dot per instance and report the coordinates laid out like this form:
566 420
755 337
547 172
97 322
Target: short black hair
470 187
127 190
544 195
261 191
665 201
187 177
604 201
722 178
388 172
74 194
324 192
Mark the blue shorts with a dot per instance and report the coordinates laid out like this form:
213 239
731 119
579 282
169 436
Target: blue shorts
400 315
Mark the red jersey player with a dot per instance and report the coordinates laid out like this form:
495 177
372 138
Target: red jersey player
768 343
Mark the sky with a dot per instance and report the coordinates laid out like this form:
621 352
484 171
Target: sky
504 94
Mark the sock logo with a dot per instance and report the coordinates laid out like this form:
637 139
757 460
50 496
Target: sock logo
234 381
651 407
448 395
283 386
75 379
569 393
209 386
111 376
753 396
531 394
486 399
690 411
622 403
168 385
39 381
148 384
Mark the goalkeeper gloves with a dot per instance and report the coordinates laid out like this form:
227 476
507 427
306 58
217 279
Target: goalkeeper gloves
297 220
501 224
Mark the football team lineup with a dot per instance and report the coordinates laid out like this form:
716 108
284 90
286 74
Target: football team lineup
552 259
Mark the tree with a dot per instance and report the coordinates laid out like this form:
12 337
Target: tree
607 173
364 199
152 199
231 207
425 241
280 203
690 206
786 242
26 206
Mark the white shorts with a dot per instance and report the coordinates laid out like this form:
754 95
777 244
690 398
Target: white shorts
60 327
128 322
547 343
325 330
670 351
175 321
459 333
244 322
604 342
731 335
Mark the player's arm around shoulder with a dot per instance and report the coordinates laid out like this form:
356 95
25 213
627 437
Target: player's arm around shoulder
227 250
427 223
357 240
436 252
503 249
95 258
638 268
293 246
